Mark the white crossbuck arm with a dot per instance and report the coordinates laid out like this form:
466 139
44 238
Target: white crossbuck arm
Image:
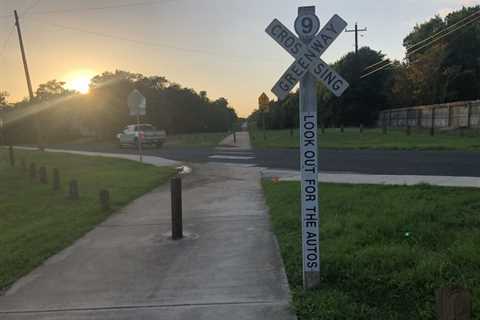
307 57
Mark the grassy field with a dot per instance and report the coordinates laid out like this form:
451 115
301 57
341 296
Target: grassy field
195 140
384 249
36 222
370 139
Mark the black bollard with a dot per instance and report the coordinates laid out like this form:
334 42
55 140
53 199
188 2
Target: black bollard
42 175
342 129
176 196
12 156
361 128
454 303
104 200
56 180
33 171
73 190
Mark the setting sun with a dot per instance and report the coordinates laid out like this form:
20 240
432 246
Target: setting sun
79 80
80 84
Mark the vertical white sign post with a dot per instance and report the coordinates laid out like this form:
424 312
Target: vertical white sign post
307 69
137 105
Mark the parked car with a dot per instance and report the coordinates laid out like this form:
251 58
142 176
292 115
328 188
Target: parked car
146 133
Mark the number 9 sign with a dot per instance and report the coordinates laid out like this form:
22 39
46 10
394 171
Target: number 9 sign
307 25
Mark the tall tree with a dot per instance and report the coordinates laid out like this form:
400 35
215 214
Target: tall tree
51 89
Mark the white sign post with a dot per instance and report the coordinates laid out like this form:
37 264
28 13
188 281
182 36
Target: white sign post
307 69
137 106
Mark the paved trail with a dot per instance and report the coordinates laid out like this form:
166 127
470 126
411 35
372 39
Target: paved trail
227 267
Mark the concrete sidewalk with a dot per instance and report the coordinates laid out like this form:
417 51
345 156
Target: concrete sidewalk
242 142
153 160
358 178
227 267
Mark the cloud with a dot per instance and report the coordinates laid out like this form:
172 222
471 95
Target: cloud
468 3
444 12
462 3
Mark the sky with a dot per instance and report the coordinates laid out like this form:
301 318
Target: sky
219 46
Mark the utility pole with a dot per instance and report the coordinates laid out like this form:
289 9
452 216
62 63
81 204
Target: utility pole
357 31
29 81
24 58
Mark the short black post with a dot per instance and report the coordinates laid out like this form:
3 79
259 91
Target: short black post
342 128
469 116
176 193
234 137
56 180
384 123
323 128
42 175
432 127
104 200
454 303
33 171
361 128
12 156
73 190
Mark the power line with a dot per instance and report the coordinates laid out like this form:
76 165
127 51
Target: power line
377 70
9 36
146 43
443 30
376 64
443 36
5 43
424 40
408 54
75 10
28 9
357 31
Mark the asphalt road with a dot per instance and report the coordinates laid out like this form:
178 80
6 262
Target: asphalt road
444 163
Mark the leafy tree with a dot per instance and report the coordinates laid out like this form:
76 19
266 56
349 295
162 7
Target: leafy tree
448 69
104 110
3 98
365 97
51 89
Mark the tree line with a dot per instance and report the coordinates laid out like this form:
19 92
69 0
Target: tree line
440 66
57 114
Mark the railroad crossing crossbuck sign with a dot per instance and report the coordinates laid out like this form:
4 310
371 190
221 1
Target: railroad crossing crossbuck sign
307 53
307 69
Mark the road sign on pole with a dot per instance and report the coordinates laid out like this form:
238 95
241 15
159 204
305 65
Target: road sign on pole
263 100
137 106
263 106
307 69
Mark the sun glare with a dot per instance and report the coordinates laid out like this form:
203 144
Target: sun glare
79 80
80 84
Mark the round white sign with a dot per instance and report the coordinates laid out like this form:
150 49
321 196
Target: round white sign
307 25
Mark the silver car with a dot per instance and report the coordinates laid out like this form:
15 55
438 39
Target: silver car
144 133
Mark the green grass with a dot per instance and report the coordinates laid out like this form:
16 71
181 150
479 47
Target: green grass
384 249
371 139
36 222
195 140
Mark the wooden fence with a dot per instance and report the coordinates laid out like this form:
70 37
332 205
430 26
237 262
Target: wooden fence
464 114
